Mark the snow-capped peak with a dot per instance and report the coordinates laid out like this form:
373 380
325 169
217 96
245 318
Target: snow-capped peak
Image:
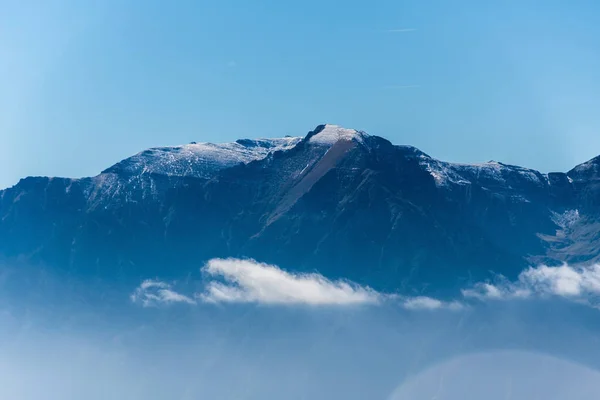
330 134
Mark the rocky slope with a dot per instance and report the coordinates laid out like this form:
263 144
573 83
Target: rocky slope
338 201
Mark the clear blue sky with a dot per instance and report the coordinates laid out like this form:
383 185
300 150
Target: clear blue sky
84 84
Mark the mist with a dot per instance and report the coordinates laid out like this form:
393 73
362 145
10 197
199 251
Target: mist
93 342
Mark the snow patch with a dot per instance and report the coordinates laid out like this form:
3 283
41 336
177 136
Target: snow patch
566 219
442 172
201 159
490 170
446 173
333 133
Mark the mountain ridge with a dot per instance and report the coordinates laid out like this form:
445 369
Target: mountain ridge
339 201
287 142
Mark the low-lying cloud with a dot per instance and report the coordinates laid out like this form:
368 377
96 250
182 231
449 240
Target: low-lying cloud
579 283
247 281
154 293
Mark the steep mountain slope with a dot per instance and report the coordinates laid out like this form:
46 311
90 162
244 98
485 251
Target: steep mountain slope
340 201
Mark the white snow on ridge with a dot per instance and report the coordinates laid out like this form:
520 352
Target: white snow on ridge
442 172
502 173
202 159
333 133
445 173
588 170
491 170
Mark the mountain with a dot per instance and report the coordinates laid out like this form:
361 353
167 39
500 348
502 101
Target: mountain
339 201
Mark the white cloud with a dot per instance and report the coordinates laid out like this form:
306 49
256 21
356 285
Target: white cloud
248 281
153 293
563 280
499 291
429 303
573 282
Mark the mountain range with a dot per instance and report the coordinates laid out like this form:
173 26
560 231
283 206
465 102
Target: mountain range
337 201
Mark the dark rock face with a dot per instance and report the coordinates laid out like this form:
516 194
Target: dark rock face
338 201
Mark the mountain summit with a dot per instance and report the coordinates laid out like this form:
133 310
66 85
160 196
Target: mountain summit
339 201
330 134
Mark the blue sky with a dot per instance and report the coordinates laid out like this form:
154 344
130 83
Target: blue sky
85 84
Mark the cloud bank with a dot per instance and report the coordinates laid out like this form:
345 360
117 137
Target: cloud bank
578 283
247 281
152 293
